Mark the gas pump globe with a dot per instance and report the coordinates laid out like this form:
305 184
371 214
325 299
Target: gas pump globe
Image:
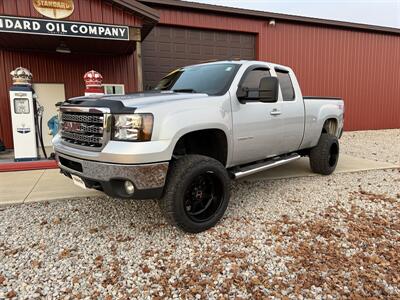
93 83
23 115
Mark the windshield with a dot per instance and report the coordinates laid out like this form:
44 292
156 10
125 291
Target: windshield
213 79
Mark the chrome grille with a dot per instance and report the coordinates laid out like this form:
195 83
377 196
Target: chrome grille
82 128
83 118
83 139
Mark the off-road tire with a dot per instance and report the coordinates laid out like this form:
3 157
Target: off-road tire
182 175
324 157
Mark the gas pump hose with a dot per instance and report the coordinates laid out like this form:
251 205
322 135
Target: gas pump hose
39 126
41 136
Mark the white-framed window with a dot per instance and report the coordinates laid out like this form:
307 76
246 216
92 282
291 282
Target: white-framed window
114 89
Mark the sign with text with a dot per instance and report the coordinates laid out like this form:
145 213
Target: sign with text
55 9
63 28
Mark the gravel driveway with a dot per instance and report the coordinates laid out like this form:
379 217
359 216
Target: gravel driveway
311 237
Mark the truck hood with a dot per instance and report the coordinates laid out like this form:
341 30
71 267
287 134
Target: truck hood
135 100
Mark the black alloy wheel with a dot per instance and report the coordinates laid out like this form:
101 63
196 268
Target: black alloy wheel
333 155
203 197
325 155
196 194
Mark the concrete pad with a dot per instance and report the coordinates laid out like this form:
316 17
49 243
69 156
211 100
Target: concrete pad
53 185
16 186
301 168
47 185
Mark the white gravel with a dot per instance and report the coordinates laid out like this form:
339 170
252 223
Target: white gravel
380 145
310 237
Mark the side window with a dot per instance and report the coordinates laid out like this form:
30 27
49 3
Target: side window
252 80
286 85
114 89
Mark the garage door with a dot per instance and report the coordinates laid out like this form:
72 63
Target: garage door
167 48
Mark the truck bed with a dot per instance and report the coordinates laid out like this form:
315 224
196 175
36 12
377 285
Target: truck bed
318 109
321 98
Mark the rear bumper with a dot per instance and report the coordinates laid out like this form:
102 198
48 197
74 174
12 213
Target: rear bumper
148 179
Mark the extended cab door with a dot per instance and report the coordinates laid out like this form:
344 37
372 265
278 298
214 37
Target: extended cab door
292 110
257 126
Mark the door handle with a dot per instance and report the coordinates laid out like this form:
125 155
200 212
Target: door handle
275 112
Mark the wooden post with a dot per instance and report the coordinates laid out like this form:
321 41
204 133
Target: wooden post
136 35
139 70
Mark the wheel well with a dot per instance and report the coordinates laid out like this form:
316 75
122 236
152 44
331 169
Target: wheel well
208 142
330 126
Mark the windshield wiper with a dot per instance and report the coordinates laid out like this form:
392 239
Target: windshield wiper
184 91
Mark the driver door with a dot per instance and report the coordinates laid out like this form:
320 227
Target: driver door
257 126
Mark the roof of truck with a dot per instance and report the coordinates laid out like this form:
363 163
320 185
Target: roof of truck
243 62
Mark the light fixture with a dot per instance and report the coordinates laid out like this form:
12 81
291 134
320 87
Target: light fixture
272 22
129 187
63 48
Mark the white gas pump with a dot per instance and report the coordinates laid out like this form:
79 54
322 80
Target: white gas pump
24 116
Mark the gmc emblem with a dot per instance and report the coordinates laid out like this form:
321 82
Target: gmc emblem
71 126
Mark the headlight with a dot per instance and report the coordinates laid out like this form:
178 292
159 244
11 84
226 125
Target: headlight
135 127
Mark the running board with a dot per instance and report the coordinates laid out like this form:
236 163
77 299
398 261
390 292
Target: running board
269 164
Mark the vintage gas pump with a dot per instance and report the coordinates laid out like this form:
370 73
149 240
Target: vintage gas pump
25 116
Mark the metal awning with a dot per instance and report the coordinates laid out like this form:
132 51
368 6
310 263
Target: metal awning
44 43
41 34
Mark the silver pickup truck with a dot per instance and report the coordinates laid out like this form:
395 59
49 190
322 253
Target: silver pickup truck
202 126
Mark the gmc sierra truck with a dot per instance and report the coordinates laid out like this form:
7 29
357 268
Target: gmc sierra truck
202 126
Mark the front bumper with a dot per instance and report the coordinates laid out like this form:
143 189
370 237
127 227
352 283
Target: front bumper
117 152
148 179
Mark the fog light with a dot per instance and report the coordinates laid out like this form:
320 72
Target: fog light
129 187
